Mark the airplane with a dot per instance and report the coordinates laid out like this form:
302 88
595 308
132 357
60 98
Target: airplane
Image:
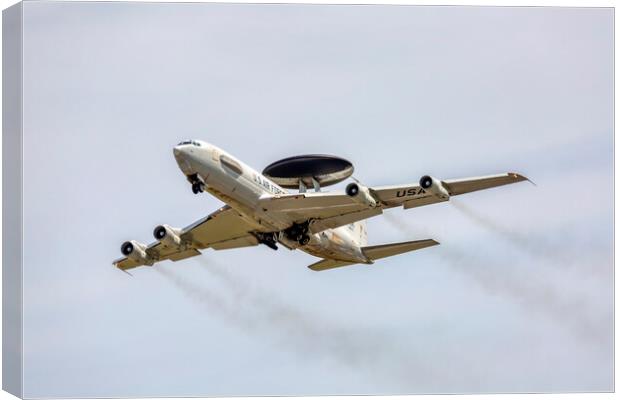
257 210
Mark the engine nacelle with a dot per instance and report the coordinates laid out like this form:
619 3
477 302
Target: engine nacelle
135 251
360 194
434 186
167 235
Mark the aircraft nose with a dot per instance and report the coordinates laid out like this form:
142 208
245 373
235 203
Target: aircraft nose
180 151
182 156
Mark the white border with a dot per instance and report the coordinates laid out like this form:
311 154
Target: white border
562 3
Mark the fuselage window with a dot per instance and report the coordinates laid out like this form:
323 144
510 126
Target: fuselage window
231 164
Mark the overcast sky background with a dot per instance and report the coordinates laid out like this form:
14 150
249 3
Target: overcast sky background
518 296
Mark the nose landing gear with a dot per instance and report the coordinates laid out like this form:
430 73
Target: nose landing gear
198 185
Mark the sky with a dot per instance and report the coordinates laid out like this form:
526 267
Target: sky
517 298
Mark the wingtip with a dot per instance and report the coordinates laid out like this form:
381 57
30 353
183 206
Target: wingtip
520 177
119 268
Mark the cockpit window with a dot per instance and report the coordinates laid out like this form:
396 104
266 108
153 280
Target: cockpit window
192 142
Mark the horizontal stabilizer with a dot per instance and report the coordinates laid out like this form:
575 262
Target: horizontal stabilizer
326 263
392 249
376 252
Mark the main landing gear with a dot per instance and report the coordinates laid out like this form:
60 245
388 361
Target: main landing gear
268 239
299 233
198 185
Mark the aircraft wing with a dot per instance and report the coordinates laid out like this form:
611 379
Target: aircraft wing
333 209
414 195
222 229
218 229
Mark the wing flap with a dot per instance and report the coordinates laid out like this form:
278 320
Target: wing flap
184 254
243 241
423 201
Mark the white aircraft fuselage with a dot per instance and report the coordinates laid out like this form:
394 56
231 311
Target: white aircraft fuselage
241 187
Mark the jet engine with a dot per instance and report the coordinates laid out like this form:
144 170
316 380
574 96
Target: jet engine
167 235
135 251
434 186
360 194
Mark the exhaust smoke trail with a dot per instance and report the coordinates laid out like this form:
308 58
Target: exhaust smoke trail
536 248
530 292
359 349
404 227
554 256
209 300
255 310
